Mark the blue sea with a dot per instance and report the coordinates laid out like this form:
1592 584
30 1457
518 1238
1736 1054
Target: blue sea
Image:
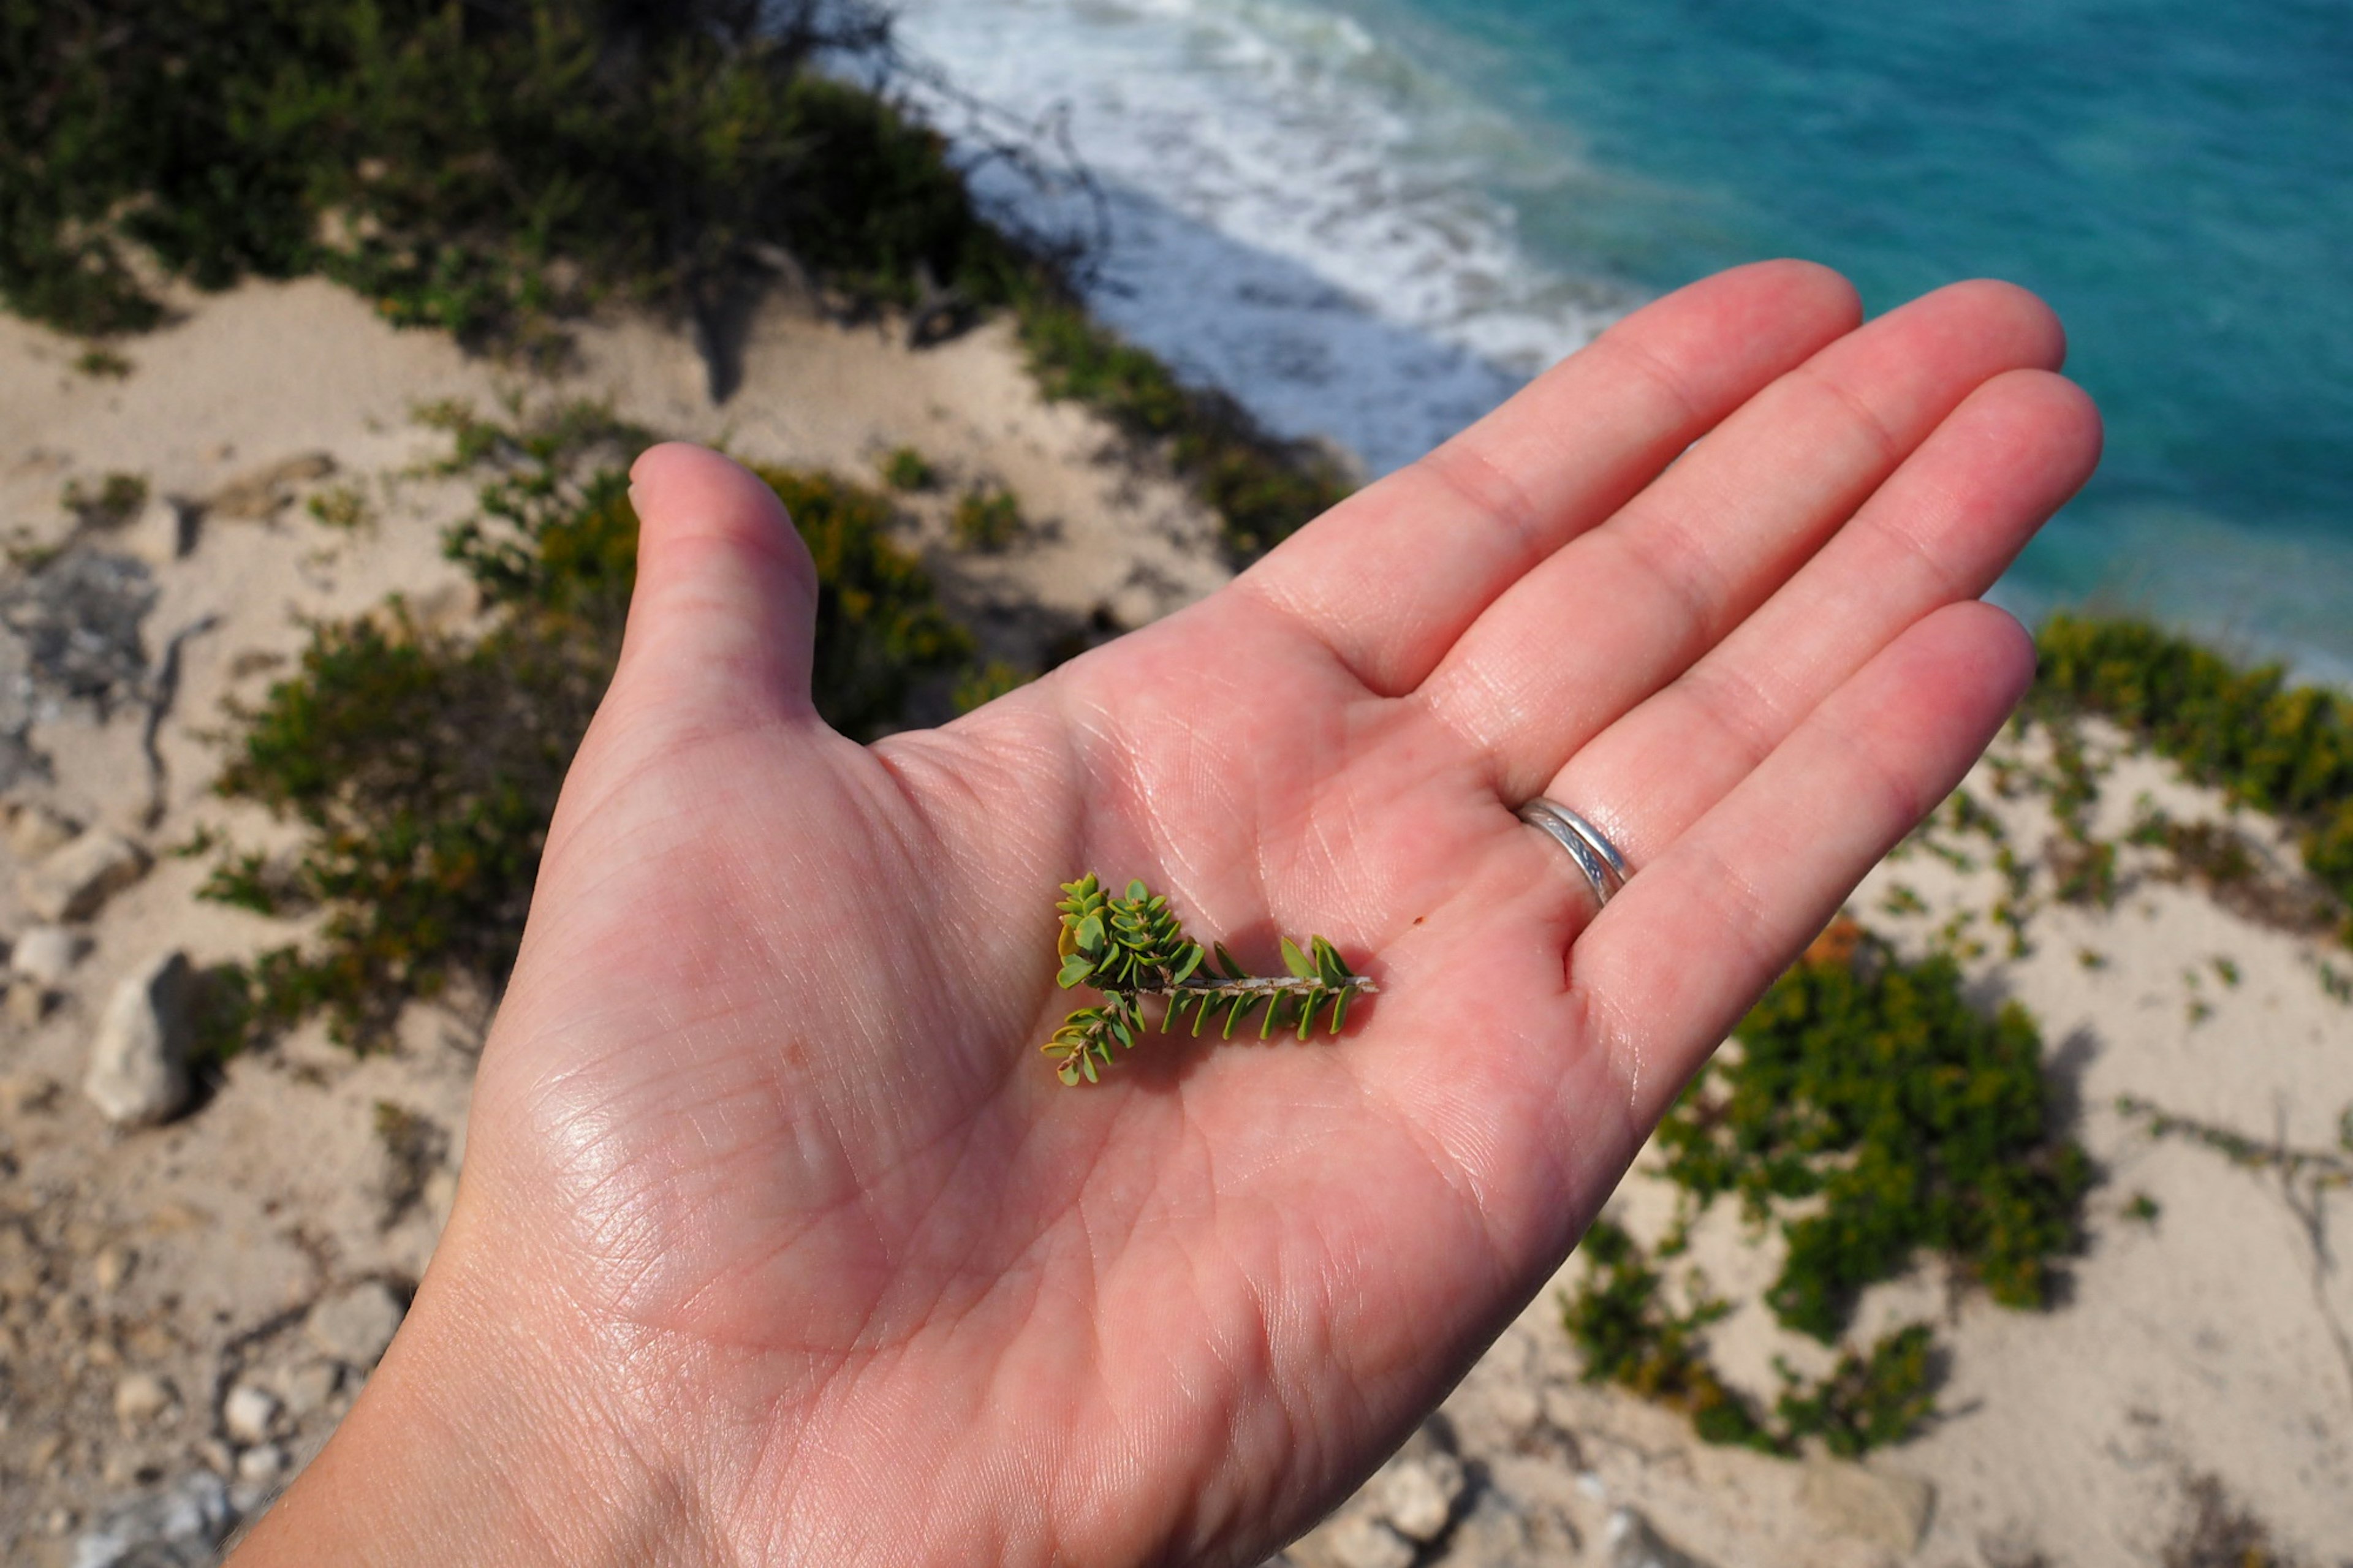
1372 219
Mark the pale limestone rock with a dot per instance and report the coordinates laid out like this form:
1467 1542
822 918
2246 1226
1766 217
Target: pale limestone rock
311 1387
72 882
257 495
140 1397
28 1002
1886 1507
36 830
1360 1541
1633 1544
355 1326
163 531
248 1413
261 1464
139 1057
46 954
24 1093
1417 1496
110 1269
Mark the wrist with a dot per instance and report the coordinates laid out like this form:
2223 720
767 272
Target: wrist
478 1440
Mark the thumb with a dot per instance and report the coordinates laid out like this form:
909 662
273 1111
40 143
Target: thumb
724 612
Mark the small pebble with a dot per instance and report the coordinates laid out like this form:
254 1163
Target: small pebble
355 1325
36 830
1417 1496
111 1268
138 1056
263 1463
28 1002
140 1397
46 954
310 1386
26 1093
248 1412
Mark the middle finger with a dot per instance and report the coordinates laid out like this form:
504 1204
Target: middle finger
1620 613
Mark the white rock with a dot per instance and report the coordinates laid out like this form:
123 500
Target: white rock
355 1326
36 830
21 1094
1886 1507
248 1413
1634 1544
1417 1496
310 1387
257 494
28 1002
139 1057
162 532
72 882
1361 1541
46 954
261 1464
111 1268
182 1522
1517 1407
140 1397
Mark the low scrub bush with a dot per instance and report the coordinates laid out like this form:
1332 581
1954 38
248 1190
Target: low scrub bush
1627 1335
423 765
2284 749
1262 489
487 168
1870 1100
495 169
1876 1117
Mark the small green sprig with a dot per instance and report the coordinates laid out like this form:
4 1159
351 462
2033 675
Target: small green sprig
1133 947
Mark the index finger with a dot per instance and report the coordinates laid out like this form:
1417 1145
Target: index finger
1388 579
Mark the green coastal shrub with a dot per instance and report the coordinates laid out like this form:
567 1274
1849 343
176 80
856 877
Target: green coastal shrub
1879 1116
423 764
496 169
1872 1114
1262 489
2287 750
482 168
1629 1336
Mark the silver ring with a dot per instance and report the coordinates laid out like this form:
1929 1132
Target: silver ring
1596 859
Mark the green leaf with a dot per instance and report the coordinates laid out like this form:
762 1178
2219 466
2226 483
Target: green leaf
1087 1065
1267 1025
1328 967
1186 965
1137 893
1069 1073
1297 961
1091 935
1242 1005
1075 970
1226 961
1340 1008
1307 1007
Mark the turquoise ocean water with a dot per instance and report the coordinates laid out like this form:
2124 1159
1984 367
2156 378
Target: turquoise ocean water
1371 218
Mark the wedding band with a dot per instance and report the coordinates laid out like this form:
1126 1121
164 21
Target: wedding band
1596 859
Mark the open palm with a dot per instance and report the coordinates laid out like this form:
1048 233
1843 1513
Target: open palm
764 1155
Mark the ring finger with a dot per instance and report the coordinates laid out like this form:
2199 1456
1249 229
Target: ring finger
1940 530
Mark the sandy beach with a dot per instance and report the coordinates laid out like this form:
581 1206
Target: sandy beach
185 1309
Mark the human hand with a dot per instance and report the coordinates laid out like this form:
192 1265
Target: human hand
777 1239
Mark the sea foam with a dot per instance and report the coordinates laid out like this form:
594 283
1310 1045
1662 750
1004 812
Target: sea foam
1297 212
